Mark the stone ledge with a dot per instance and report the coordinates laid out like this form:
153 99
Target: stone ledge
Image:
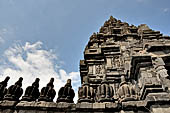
6 104
52 107
133 105
46 105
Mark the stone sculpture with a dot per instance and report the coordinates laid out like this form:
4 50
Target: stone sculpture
66 93
32 92
15 91
3 89
47 93
104 92
86 92
126 92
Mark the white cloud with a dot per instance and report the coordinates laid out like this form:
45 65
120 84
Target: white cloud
165 10
32 61
3 31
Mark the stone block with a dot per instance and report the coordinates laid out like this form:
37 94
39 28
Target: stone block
84 105
25 104
161 110
7 111
111 105
64 105
51 105
42 104
7 103
126 111
99 105
26 111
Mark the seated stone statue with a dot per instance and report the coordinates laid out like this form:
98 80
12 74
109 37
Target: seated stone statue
32 92
104 92
3 89
86 92
15 91
66 93
48 93
126 92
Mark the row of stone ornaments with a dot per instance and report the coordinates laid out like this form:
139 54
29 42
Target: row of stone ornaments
105 92
14 92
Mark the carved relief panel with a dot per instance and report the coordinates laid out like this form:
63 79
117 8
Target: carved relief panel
116 62
96 69
90 71
99 69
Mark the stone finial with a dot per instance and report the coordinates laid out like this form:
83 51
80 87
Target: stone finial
3 89
66 93
32 92
112 19
104 91
48 93
86 92
143 27
15 91
126 91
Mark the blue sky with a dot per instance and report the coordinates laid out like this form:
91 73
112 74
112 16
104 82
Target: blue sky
57 31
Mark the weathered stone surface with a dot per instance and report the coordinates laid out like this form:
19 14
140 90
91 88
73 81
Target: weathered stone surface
86 92
104 92
111 105
32 92
160 109
99 105
139 54
6 103
47 93
15 91
66 93
126 92
3 89
84 105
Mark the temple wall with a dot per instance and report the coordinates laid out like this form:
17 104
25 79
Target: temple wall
51 107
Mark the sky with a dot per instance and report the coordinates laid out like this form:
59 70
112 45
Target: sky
46 38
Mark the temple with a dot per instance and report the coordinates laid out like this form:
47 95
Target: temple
126 69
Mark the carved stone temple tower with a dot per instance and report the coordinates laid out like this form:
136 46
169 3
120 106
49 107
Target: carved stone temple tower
126 69
135 63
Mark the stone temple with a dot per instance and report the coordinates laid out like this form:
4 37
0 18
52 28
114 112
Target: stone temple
126 69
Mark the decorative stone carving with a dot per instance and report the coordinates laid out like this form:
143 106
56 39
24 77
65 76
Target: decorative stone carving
32 92
116 62
126 92
160 68
99 69
86 92
47 93
66 93
3 89
104 92
15 91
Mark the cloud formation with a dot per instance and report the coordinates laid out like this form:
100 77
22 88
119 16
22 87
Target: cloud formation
165 10
3 31
31 61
